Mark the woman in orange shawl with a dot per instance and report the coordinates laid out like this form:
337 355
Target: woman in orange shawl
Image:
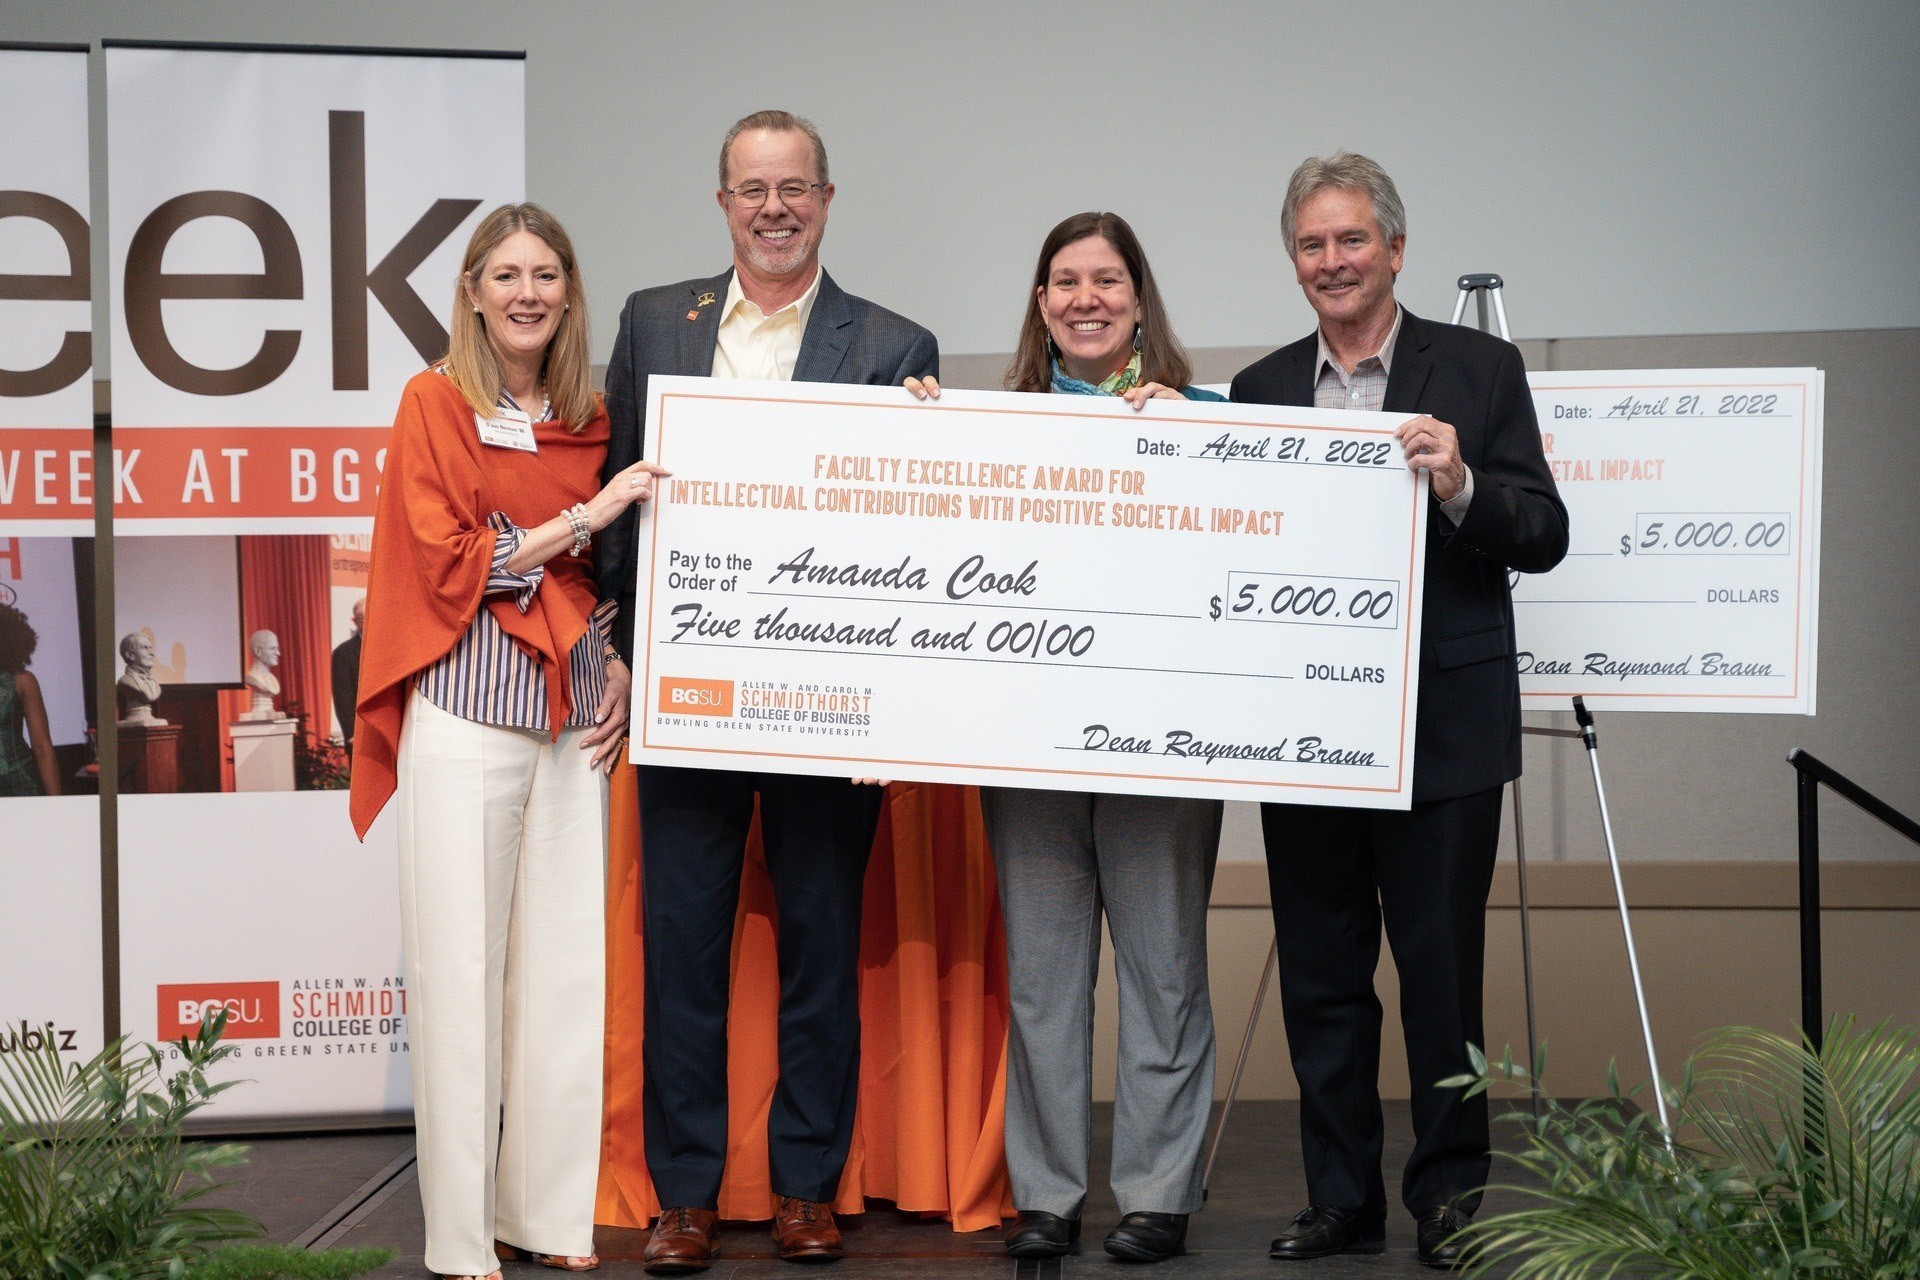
490 704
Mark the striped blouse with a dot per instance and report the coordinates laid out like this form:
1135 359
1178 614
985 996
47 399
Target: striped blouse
488 678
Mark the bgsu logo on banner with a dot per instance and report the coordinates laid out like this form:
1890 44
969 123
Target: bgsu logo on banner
253 1009
692 697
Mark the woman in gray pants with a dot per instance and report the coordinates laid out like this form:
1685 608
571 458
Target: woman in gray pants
1095 326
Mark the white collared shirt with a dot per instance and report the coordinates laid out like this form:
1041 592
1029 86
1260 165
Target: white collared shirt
752 344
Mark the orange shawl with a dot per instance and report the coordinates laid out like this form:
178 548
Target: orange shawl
433 548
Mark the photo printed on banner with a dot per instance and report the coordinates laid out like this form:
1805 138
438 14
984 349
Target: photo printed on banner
239 660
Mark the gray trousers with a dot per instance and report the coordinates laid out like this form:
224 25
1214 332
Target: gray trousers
1148 860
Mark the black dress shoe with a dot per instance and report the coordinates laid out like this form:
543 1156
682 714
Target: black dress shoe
1439 1229
1148 1237
1041 1235
1320 1230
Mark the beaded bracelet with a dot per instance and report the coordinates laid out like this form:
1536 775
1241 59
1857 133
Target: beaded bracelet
577 521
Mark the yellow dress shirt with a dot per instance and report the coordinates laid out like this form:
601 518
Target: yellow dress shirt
752 344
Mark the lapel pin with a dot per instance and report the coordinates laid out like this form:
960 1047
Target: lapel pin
693 315
706 300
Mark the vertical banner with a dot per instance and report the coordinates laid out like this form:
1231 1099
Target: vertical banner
287 226
50 952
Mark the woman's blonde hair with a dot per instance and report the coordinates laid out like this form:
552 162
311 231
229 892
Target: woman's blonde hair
471 361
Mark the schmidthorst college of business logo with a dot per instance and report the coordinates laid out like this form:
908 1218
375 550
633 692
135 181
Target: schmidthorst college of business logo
766 706
319 1017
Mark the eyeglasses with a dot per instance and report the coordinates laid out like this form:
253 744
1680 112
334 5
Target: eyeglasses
751 195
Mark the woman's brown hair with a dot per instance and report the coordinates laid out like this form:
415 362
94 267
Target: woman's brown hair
471 361
1162 358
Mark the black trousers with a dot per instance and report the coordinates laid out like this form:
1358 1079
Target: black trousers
817 833
1336 875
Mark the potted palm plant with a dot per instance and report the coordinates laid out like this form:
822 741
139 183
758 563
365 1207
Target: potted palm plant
98 1182
1784 1162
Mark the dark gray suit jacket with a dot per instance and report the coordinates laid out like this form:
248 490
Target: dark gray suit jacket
848 339
1467 730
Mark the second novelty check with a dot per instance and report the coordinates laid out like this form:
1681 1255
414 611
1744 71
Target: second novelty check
1029 590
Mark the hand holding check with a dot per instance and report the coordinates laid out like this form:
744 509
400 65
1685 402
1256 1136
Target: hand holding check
1433 446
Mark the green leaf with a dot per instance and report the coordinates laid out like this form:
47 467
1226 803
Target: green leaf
95 1178
1785 1164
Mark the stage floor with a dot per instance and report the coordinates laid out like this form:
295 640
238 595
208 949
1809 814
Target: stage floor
358 1189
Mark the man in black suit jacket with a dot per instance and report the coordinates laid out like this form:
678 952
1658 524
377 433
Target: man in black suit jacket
346 674
1337 874
776 314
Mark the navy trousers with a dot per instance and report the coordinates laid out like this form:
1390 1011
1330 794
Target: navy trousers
1336 876
817 833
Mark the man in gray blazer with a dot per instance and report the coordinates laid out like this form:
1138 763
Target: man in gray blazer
774 315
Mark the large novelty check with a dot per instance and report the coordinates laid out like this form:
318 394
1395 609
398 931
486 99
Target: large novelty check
1029 590
1693 579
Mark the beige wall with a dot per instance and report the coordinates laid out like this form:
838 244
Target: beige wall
1718 946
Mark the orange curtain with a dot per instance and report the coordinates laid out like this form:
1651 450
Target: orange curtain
933 1009
286 588
232 704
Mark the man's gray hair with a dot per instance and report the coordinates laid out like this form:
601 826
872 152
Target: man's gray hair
1351 172
777 122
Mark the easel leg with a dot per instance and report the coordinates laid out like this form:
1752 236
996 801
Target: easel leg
1526 948
1591 739
1240 1062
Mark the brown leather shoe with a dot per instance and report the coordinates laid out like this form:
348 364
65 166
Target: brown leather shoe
682 1240
805 1231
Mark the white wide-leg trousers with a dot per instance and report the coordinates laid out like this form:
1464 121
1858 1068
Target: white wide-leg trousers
502 910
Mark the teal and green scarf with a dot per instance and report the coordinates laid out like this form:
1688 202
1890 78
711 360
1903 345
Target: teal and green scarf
1114 384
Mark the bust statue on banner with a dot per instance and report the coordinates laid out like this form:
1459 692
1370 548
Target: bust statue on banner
138 689
260 678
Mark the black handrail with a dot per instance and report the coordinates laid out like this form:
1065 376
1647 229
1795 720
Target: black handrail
1813 772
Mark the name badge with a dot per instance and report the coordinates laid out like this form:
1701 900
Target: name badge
507 429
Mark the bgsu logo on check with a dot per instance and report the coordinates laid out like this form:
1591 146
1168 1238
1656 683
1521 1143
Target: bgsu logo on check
253 1009
690 697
